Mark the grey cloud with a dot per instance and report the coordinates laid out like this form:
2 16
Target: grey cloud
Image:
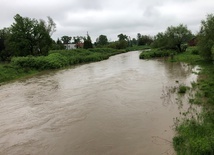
76 17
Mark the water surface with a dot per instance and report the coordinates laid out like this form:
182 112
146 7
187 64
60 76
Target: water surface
112 107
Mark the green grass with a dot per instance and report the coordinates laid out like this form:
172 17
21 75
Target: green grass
9 72
189 56
25 66
155 53
195 136
182 89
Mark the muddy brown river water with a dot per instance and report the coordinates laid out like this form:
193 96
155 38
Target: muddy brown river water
112 107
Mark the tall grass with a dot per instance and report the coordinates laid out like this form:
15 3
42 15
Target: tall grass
22 66
9 72
156 53
190 56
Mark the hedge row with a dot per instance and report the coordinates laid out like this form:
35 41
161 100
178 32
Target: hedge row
155 53
61 58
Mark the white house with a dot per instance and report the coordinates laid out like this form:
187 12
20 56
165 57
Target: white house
70 46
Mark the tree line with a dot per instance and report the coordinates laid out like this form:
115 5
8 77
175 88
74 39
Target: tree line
28 36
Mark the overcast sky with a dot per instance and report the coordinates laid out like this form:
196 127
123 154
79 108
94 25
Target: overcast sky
109 17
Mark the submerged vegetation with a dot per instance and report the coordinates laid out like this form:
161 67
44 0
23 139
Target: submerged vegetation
195 135
182 89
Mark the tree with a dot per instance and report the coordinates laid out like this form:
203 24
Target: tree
77 39
58 45
102 40
4 51
176 36
51 26
134 41
122 41
173 38
87 42
122 37
66 39
30 36
206 37
144 39
160 40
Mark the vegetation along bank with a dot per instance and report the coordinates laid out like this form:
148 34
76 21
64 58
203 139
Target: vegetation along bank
194 131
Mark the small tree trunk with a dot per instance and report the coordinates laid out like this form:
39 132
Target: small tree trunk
179 48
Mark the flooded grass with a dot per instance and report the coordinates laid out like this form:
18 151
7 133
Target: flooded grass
195 135
182 89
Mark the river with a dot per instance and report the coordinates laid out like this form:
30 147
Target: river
112 107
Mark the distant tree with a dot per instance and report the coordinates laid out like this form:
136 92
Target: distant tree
78 41
176 36
87 42
139 39
51 26
130 42
122 37
134 41
102 40
30 36
160 40
144 39
173 38
4 51
58 45
122 42
66 39
206 37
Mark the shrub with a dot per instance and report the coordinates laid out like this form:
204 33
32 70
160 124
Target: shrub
182 89
61 58
195 52
52 61
155 53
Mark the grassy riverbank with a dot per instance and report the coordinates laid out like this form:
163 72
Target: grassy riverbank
195 135
27 66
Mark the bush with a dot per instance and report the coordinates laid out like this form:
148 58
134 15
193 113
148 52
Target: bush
61 58
182 89
155 53
194 138
52 61
195 52
9 72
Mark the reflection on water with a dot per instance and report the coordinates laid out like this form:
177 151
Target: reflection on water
110 107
